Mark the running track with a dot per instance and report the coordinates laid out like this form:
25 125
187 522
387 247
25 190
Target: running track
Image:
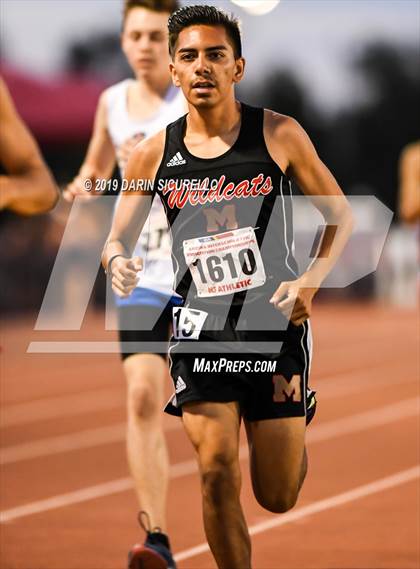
67 501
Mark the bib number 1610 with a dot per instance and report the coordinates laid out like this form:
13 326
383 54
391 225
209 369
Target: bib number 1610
215 266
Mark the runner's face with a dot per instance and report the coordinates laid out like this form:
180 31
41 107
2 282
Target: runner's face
204 65
144 41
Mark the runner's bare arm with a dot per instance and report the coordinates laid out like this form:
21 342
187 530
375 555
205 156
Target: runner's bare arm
131 214
28 187
292 150
409 195
99 161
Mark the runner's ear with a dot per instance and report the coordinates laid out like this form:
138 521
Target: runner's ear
239 70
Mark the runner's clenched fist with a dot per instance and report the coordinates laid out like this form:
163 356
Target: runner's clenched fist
124 275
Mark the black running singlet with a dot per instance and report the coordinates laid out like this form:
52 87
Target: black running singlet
230 216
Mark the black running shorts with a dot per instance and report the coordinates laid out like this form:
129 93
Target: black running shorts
144 329
266 384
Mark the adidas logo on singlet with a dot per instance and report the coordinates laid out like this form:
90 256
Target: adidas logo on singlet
180 385
176 160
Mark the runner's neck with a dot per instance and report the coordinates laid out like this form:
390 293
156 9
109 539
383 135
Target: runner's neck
223 121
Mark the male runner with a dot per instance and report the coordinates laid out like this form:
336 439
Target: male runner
28 187
223 173
128 112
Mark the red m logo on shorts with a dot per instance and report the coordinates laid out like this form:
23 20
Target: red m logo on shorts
285 390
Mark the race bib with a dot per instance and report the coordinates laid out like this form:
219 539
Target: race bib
155 238
156 244
187 323
225 263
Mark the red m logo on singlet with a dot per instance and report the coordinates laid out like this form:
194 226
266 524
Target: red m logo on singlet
224 219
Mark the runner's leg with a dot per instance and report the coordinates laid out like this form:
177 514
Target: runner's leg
213 429
146 375
278 461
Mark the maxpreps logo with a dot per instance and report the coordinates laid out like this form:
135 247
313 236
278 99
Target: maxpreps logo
196 192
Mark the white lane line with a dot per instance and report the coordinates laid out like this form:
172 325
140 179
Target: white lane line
64 443
317 433
88 438
357 381
86 494
362 421
116 433
177 470
62 500
57 407
375 487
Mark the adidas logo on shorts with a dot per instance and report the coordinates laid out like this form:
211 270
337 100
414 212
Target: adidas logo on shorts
176 160
180 385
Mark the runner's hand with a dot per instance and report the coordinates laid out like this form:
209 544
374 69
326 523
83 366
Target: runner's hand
123 152
81 187
293 301
124 276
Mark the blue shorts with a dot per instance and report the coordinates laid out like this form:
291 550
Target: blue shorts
142 296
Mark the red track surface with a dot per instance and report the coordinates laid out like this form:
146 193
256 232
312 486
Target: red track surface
63 432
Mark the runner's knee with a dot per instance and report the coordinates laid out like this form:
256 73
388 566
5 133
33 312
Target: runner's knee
220 474
278 502
143 400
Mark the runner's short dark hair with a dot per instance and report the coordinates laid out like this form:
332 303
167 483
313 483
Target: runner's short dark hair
208 16
168 6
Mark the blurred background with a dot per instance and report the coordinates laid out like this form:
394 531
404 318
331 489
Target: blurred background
346 70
